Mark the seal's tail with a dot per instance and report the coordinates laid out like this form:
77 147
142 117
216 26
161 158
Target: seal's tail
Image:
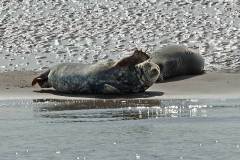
42 80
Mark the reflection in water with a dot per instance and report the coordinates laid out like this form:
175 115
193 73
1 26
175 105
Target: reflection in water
61 104
112 110
47 130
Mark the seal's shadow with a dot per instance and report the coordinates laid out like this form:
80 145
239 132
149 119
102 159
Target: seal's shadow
146 94
180 78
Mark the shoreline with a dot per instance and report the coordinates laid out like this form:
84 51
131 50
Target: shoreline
16 85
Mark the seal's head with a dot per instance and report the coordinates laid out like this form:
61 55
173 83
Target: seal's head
42 80
148 72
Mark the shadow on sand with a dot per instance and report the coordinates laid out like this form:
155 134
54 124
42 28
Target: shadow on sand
180 78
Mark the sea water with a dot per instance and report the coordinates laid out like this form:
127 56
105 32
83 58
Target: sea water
180 129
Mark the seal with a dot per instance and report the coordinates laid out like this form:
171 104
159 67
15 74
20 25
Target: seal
131 74
176 60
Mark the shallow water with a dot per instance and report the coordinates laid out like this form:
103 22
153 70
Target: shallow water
36 34
175 130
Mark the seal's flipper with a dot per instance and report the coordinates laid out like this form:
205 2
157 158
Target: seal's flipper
42 80
110 89
138 57
37 80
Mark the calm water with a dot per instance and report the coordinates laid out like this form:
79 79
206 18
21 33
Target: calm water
36 34
189 130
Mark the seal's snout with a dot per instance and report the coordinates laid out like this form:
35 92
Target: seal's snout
154 72
150 70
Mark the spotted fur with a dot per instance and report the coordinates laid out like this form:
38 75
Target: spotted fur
108 77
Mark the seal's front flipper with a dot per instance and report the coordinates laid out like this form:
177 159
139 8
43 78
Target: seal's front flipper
110 89
137 57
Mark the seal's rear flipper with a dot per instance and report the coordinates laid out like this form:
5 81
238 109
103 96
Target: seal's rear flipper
138 57
42 80
36 80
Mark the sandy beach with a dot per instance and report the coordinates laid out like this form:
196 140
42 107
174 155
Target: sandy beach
17 85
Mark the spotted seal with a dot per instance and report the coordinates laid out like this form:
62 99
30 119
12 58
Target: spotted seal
132 74
176 60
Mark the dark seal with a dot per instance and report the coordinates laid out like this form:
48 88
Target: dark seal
177 60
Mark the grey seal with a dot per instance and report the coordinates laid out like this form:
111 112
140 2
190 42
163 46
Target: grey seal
131 74
176 60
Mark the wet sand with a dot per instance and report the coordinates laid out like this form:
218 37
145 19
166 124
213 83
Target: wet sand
17 85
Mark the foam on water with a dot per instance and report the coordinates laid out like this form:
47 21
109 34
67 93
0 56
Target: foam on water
38 34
